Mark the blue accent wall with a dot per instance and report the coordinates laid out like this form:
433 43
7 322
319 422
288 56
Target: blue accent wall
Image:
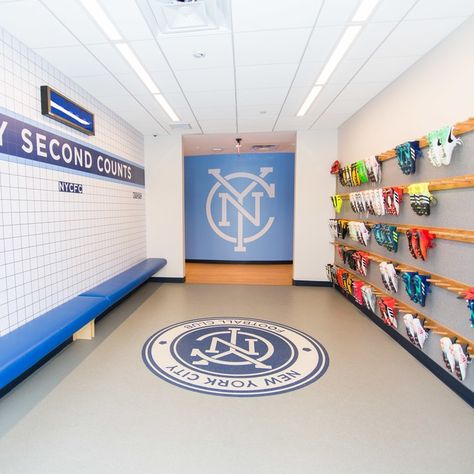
239 207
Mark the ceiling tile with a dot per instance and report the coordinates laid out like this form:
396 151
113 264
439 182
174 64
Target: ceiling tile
256 124
331 120
218 126
251 15
101 86
269 95
270 47
369 39
269 75
32 23
73 61
322 42
133 84
388 10
337 12
110 58
416 37
358 94
179 51
204 98
307 73
206 79
441 9
150 55
166 81
255 111
128 19
216 112
345 71
294 123
72 14
384 69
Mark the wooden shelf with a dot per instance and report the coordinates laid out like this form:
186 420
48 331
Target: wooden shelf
437 280
455 182
431 324
445 233
459 129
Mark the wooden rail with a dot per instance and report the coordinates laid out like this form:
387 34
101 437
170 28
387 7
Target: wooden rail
431 324
445 233
456 182
459 129
437 280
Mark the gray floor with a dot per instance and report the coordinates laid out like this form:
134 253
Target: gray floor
95 408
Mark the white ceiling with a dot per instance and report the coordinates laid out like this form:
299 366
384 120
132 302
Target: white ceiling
255 75
204 144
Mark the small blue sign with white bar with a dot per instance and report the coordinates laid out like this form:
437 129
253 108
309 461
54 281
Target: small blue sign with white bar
65 187
64 110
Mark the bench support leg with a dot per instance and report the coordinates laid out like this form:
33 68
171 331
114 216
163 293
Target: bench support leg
86 332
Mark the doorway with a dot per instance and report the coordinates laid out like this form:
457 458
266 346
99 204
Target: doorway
239 204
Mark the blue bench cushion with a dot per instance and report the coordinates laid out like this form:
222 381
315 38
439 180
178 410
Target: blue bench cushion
122 284
24 347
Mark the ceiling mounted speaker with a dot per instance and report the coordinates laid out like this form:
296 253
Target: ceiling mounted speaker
177 16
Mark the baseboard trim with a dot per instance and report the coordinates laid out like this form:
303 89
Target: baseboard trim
320 283
168 279
455 385
247 262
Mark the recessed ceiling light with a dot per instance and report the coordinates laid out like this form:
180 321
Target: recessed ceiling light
199 55
364 10
309 100
96 11
137 66
217 148
166 107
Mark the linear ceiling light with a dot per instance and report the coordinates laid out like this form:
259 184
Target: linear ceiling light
99 15
96 11
136 65
364 11
309 100
344 43
166 107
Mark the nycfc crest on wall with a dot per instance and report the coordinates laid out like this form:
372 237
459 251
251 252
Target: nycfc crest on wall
239 207
235 356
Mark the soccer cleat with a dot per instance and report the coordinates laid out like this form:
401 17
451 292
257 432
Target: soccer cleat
420 332
422 288
357 291
337 203
449 144
335 167
369 298
448 356
409 233
383 274
461 360
392 311
435 150
425 242
408 321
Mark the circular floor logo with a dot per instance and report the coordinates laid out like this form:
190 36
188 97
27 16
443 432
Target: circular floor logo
235 357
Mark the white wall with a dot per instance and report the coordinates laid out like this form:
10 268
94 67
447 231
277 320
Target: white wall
165 202
434 92
53 245
315 152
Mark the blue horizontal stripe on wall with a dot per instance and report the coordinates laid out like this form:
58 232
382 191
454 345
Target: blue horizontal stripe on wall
21 139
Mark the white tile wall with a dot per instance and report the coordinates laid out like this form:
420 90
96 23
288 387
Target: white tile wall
55 245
